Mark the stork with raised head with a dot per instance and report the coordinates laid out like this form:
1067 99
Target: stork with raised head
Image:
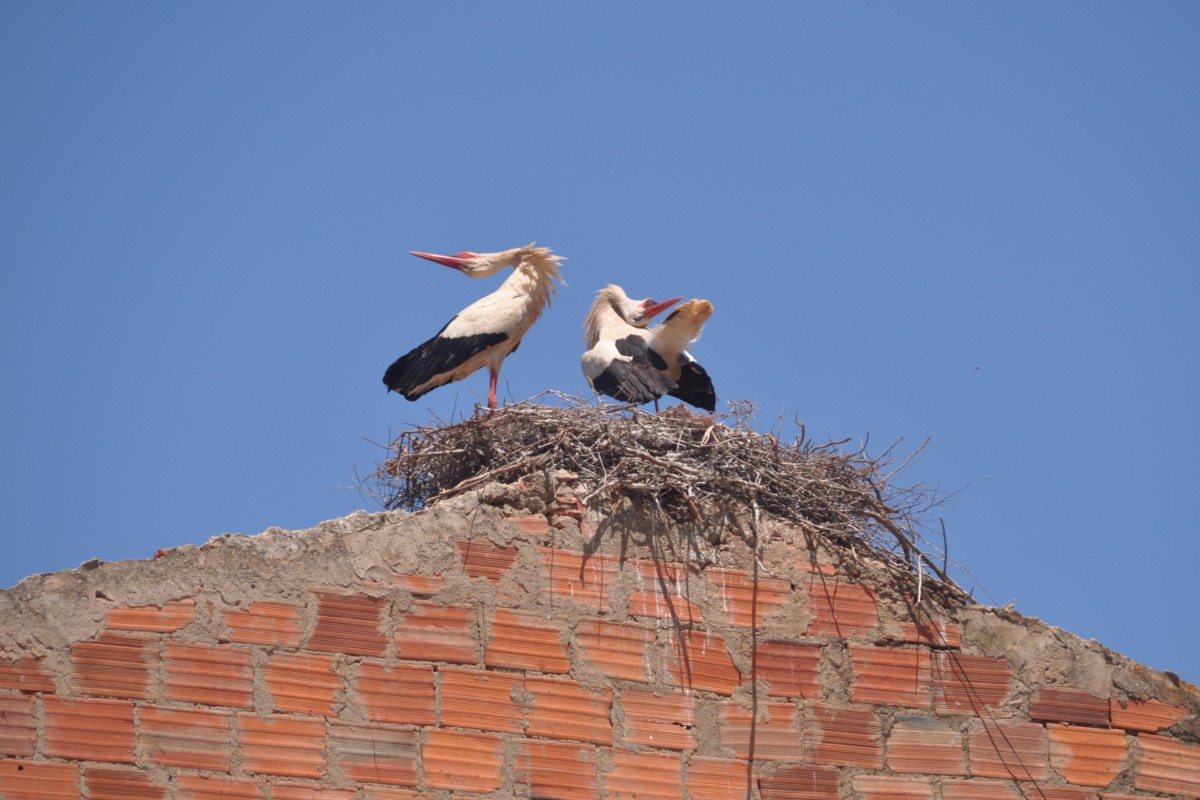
486 332
670 341
629 363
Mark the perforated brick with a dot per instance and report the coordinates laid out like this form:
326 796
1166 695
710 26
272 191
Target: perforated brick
775 733
114 665
462 761
194 738
32 780
88 730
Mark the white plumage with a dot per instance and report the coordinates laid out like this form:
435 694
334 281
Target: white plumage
629 363
485 332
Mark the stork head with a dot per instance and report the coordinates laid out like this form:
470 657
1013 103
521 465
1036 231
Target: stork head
648 309
612 305
478 265
637 313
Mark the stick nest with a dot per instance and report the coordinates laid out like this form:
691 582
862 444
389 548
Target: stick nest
691 468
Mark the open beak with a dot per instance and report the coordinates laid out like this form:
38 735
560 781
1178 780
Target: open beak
658 308
447 261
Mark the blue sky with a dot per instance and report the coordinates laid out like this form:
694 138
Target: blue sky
971 222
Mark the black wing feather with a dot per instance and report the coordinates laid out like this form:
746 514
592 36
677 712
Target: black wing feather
695 387
637 380
438 356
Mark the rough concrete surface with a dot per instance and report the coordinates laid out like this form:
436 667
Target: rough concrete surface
694 574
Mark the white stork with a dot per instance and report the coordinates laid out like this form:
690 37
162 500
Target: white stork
627 362
485 332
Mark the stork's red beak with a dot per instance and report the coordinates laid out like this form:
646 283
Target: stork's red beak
457 262
658 308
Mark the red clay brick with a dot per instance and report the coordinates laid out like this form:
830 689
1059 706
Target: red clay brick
776 736
535 524
717 779
390 793
214 787
166 618
375 753
302 682
559 770
888 787
349 623
1068 705
25 674
925 745
462 761
282 745
482 559
419 585
121 783
194 738
1013 751
698 661
114 665
1164 765
965 684
32 780
525 640
643 776
666 722
88 730
562 709
792 669
430 632
1148 716
18 730
662 592
810 564
979 790
791 782
840 609
210 676
891 676
587 580
934 633
849 737
299 791
1057 791
403 693
481 700
619 651
747 604
265 624
1087 756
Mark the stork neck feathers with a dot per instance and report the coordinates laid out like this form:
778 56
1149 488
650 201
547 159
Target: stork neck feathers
540 264
533 279
606 316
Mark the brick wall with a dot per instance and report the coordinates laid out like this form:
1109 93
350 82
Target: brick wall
476 651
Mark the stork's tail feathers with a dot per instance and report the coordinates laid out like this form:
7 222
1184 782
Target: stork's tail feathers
397 377
438 361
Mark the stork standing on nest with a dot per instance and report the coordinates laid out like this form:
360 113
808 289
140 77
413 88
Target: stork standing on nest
485 332
629 363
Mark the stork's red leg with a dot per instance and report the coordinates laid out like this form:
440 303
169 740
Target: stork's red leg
492 387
